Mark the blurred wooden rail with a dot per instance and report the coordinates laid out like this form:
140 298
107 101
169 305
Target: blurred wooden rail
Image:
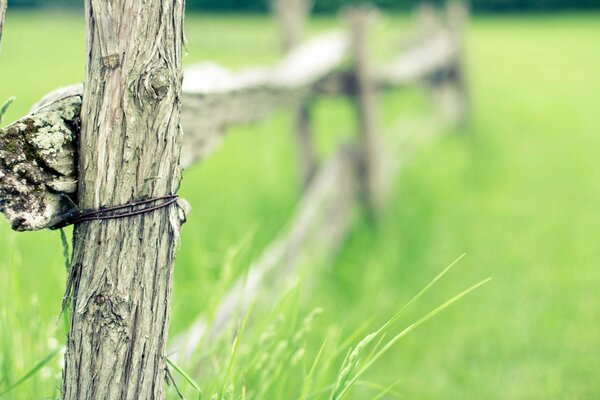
324 214
214 99
38 177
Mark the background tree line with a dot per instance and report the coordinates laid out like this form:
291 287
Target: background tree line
328 6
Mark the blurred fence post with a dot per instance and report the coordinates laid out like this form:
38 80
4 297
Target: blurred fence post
447 86
365 98
429 21
457 13
292 16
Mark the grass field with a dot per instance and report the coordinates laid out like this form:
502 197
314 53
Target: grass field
518 192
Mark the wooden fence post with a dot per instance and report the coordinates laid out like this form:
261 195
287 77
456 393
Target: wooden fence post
292 16
121 274
447 87
365 98
457 14
429 21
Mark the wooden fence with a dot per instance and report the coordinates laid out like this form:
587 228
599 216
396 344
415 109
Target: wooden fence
38 166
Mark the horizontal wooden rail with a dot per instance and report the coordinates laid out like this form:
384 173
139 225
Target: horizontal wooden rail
315 230
428 58
34 194
324 214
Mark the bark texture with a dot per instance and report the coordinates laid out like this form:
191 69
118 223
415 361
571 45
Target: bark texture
129 149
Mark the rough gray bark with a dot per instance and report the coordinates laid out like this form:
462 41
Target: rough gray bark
292 15
129 148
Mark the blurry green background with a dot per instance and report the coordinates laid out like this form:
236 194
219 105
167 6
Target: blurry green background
518 191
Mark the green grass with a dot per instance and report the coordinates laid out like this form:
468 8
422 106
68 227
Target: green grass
518 193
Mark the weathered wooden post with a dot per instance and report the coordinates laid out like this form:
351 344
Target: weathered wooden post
365 98
292 16
120 282
457 14
447 87
429 22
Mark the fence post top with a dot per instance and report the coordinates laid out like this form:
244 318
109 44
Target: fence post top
457 12
361 14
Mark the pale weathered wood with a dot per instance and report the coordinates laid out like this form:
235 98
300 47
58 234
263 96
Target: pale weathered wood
120 281
292 15
365 98
315 230
432 55
210 106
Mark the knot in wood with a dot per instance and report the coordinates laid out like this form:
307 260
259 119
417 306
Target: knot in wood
111 61
100 299
158 83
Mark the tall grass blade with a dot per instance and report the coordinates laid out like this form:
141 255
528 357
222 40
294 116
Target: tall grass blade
236 344
311 373
185 376
405 332
5 106
421 293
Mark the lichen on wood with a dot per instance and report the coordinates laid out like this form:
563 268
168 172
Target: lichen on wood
37 166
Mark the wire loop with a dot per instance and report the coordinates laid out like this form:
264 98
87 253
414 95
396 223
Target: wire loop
123 211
